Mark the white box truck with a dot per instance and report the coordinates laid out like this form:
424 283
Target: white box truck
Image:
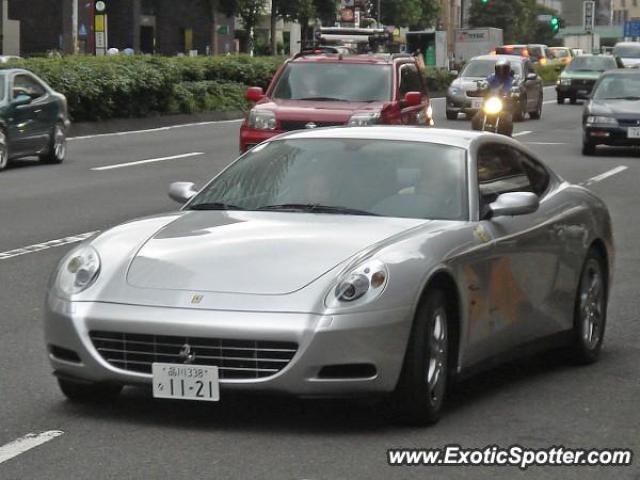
471 42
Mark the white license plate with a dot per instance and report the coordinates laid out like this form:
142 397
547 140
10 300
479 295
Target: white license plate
582 92
633 132
476 103
185 382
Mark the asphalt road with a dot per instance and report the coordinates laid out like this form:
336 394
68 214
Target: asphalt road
539 402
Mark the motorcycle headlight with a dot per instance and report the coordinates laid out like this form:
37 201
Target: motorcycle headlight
364 119
492 106
262 120
78 270
565 81
362 284
600 120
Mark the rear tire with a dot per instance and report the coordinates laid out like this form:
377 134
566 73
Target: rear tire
89 392
421 390
519 110
452 115
537 113
590 312
4 151
588 149
57 150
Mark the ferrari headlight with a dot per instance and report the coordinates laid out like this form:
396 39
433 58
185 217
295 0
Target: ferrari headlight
492 106
362 284
262 120
78 270
364 119
600 120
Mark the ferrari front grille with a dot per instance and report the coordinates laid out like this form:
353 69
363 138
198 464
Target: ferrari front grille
235 359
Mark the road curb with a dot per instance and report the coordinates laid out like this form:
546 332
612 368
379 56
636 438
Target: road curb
131 124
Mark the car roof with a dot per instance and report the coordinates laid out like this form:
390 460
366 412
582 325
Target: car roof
455 138
511 58
627 44
338 58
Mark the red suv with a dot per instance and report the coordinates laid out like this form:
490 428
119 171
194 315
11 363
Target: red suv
323 89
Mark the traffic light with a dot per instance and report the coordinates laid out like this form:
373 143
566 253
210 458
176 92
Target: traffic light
484 2
555 23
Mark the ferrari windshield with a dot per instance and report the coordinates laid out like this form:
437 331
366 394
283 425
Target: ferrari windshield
592 64
348 82
344 176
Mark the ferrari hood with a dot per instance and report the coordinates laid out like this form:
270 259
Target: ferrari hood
264 253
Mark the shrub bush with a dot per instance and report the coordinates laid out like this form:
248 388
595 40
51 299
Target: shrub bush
438 79
99 88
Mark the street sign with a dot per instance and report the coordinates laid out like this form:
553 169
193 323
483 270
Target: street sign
82 31
223 29
589 15
544 18
632 28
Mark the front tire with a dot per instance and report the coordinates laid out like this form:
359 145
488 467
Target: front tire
89 392
420 394
588 148
561 100
57 150
590 312
4 151
451 115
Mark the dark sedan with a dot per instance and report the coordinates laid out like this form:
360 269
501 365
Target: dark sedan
578 79
33 118
465 96
612 116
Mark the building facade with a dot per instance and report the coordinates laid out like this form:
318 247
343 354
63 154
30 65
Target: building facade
164 27
625 10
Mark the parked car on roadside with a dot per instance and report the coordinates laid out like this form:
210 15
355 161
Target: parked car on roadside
328 89
579 77
628 53
465 96
33 118
612 116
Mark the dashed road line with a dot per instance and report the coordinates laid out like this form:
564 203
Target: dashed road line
150 160
152 130
26 443
520 134
607 174
38 247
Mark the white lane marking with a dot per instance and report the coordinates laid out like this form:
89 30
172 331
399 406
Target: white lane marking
607 174
38 247
150 160
151 130
23 444
547 102
545 143
520 134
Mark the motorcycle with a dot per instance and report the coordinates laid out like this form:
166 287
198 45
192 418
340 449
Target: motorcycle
495 114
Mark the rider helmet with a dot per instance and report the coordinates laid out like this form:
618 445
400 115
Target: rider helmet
503 69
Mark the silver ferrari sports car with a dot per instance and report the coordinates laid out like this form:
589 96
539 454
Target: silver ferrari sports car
338 262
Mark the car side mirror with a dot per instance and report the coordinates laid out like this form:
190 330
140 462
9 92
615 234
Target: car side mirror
254 94
412 99
21 99
532 76
514 203
182 192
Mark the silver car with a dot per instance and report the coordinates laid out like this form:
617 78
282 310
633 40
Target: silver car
338 262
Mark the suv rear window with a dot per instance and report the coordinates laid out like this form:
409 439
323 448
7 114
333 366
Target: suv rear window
348 82
511 50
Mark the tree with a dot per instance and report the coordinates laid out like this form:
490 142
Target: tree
249 12
505 14
417 14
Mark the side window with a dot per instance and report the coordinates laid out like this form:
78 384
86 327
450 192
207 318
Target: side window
410 80
500 171
538 175
26 85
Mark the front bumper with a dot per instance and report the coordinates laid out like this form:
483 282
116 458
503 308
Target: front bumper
574 91
250 137
461 104
609 135
373 338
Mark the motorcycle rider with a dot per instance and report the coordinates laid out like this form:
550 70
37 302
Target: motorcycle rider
499 83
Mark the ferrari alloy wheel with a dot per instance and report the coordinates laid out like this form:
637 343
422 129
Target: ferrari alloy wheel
590 310
57 150
4 151
420 394
89 392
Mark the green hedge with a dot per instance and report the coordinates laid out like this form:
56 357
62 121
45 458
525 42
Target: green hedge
99 88
438 80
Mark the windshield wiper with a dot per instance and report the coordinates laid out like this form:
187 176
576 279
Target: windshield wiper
215 206
324 99
316 208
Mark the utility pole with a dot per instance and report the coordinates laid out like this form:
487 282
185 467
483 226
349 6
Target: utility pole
379 14
74 26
